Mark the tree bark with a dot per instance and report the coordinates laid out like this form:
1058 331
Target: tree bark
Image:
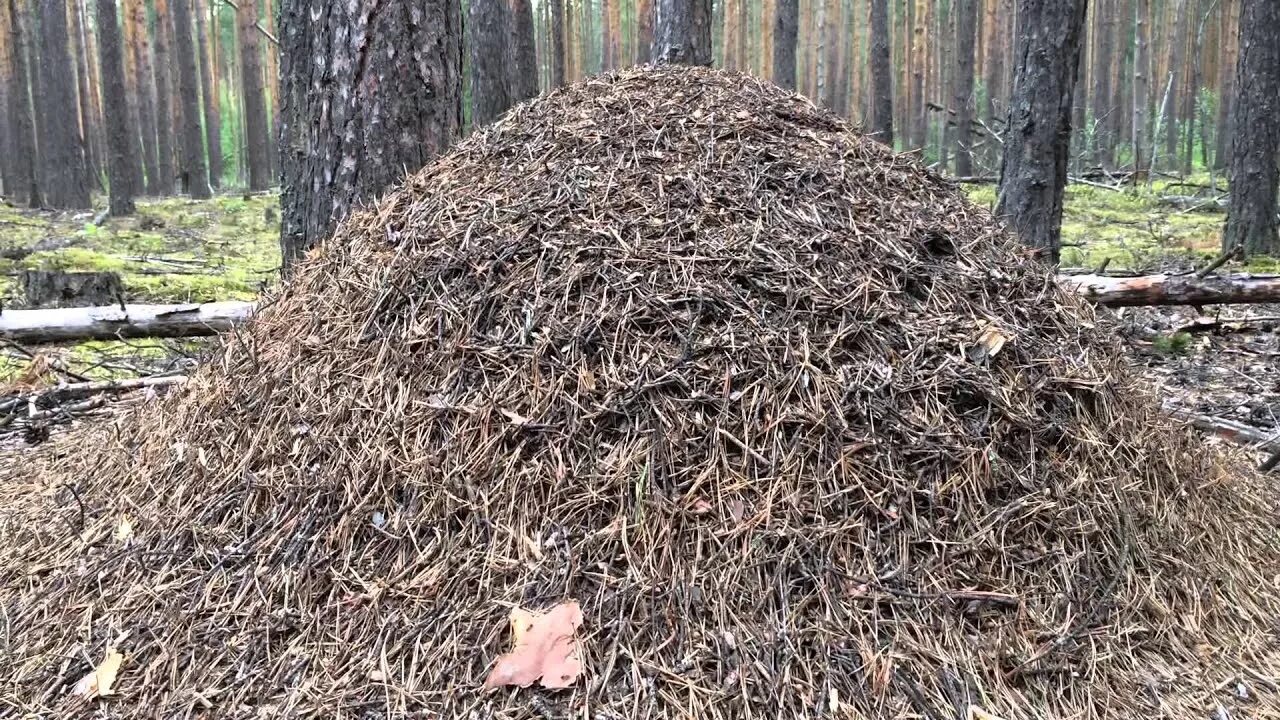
22 144
644 30
557 43
489 25
1100 103
88 131
1255 148
1145 290
881 74
1226 81
1033 170
356 115
115 99
195 174
209 93
786 24
966 29
916 111
62 149
1141 88
255 101
145 87
526 59
166 169
682 32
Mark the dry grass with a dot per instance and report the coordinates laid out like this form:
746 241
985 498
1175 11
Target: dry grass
676 345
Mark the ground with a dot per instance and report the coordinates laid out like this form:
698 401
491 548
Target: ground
178 250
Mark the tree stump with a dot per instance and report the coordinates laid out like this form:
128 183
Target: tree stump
54 288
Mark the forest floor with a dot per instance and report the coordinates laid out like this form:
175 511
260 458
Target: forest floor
1224 364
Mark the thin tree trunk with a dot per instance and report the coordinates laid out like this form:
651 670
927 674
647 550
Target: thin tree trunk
644 30
9 183
255 102
1141 87
918 113
1226 81
966 29
1177 36
209 92
820 54
95 91
1033 172
786 25
271 72
525 62
21 114
354 120
115 100
557 43
488 24
62 150
1100 105
166 170
145 86
1255 146
682 32
88 129
195 174
881 74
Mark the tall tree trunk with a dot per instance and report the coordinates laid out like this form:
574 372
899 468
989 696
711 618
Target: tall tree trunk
1226 81
95 91
644 30
1255 145
820 54
209 92
145 86
786 25
271 72
1033 172
1191 98
88 129
1141 87
115 99
1100 103
255 102
966 29
166 170
919 67
195 174
557 43
9 183
21 114
571 46
62 150
489 23
1177 36
525 67
682 31
355 115
881 74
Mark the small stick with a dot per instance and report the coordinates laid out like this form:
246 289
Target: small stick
1218 261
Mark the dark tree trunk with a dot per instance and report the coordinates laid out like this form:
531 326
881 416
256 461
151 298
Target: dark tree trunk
881 74
682 32
255 101
115 109
195 174
786 25
166 171
557 43
136 18
966 30
62 150
1255 144
489 25
209 94
1100 104
21 115
355 115
525 83
1033 171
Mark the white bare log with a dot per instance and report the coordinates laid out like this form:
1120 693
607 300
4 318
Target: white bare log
113 321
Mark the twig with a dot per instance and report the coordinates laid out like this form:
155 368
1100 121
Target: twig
1219 261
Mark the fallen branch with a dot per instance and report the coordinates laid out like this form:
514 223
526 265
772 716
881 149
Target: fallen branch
113 322
1231 430
1165 289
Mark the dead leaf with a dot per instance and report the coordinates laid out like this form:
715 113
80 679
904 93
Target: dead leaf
700 507
124 529
98 682
990 341
544 648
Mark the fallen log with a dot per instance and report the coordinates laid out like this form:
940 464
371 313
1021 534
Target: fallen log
1176 289
1232 431
113 322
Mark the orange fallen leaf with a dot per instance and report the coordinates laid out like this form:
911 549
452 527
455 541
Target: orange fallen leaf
99 681
544 648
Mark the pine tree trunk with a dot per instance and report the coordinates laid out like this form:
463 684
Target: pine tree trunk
62 150
1141 88
255 101
966 30
145 86
786 25
88 129
557 43
644 30
271 83
682 31
195 173
919 67
1100 103
1177 36
209 93
166 170
1033 171
488 24
355 115
881 74
9 183
115 110
1226 81
95 91
525 67
820 54
21 113
1255 146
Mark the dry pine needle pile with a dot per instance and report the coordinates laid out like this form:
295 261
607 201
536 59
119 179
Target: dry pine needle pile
801 431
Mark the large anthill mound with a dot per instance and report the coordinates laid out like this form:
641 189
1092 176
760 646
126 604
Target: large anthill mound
800 429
